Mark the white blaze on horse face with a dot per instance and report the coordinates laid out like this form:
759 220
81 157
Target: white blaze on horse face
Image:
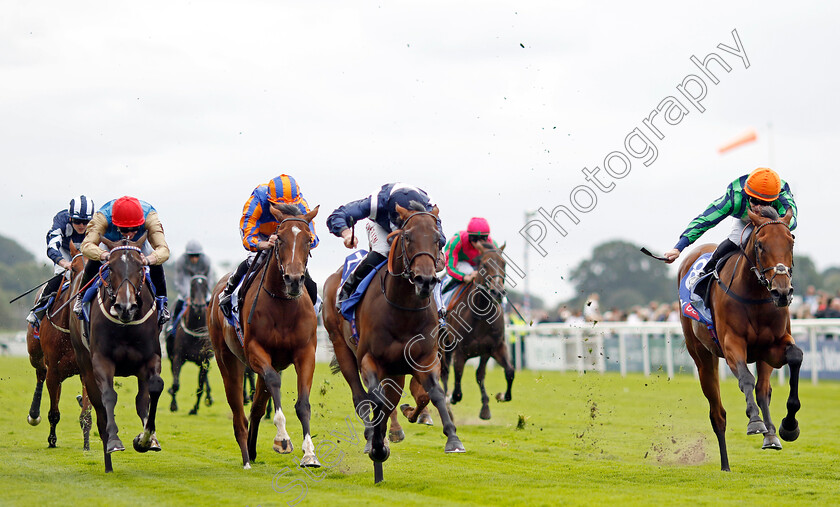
295 232
308 446
280 422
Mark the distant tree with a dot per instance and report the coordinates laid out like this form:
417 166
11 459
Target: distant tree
804 274
617 267
19 272
12 254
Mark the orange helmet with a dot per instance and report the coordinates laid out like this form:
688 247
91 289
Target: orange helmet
763 184
127 212
284 190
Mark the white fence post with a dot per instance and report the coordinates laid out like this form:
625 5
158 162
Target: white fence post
622 353
645 354
669 354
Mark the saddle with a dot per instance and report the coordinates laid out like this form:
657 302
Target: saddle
348 306
237 301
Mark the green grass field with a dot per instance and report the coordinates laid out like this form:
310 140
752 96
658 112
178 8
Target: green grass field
581 440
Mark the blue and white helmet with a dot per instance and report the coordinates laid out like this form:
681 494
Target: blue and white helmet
81 208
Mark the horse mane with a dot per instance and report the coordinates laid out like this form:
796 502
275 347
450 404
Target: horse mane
768 212
487 244
287 209
415 206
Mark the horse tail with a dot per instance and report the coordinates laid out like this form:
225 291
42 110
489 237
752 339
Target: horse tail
334 367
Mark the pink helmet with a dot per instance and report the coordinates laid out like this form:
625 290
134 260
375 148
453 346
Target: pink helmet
478 227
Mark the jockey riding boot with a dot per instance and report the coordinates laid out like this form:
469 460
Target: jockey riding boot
233 281
91 269
371 260
721 251
159 281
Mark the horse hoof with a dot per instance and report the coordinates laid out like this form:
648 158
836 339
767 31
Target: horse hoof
772 442
380 456
367 447
485 413
501 398
246 466
33 422
51 440
208 401
79 400
173 407
456 397
114 445
786 434
137 446
310 462
283 446
453 444
425 418
396 436
154 445
194 411
756 427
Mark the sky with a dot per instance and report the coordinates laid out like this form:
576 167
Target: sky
494 108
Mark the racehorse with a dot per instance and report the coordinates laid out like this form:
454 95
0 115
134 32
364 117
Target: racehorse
750 328
476 326
279 328
122 340
51 353
192 343
397 330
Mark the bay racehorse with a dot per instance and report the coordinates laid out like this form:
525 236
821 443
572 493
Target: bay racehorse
192 343
398 329
122 341
279 328
475 323
51 353
749 304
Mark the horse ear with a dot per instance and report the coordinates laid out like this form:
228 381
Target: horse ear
755 217
480 247
276 213
74 250
108 243
139 242
312 214
788 216
435 210
502 248
402 212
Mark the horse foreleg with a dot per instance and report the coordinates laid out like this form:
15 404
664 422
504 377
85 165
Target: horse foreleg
103 371
258 407
421 397
34 416
480 374
85 418
305 369
762 397
430 380
502 356
232 371
53 416
458 367
202 381
261 364
373 412
177 362
735 352
36 359
208 398
149 389
789 429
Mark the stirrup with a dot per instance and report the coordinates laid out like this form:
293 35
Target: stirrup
78 309
224 304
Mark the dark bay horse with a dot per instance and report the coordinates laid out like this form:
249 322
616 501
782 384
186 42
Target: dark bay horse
753 325
475 323
279 328
192 343
51 353
397 327
122 341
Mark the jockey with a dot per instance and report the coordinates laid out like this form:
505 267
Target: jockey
257 227
381 208
127 217
193 262
68 225
462 254
762 187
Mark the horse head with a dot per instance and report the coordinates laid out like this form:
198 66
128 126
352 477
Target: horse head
77 262
490 275
417 246
772 248
199 292
126 277
291 252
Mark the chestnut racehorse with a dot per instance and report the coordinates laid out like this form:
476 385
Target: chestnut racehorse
397 329
753 325
192 343
51 353
279 328
122 341
476 323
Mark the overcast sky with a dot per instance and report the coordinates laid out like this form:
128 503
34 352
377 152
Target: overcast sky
493 107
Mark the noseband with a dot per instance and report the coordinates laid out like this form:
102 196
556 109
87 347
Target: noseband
778 269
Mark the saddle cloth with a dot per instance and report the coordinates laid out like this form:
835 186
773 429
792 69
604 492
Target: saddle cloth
692 304
348 306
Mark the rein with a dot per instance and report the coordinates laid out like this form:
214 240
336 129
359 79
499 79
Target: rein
112 293
399 236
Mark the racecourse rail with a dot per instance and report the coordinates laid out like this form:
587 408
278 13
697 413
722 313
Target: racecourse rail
622 347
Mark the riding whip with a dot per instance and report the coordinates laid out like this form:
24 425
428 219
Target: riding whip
647 252
38 286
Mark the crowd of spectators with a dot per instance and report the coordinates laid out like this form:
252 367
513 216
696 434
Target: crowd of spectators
592 312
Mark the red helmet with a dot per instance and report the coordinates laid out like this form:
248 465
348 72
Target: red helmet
127 212
478 227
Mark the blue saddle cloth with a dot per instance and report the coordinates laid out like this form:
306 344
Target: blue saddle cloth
348 306
45 306
692 304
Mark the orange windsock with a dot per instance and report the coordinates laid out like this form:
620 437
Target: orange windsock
744 139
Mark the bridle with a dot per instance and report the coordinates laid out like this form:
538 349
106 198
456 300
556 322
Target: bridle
198 304
112 291
755 267
276 254
488 283
402 234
